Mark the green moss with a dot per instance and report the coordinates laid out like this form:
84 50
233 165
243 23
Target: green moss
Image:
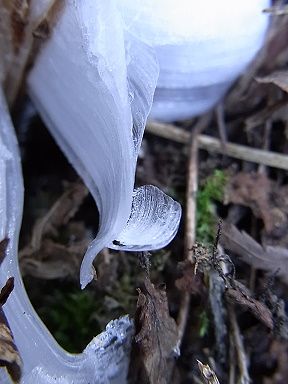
74 317
70 318
212 190
204 324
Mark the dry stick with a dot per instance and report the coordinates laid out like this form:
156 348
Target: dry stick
259 156
190 220
239 346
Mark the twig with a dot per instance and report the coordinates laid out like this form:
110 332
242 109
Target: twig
169 132
190 220
211 144
238 344
221 125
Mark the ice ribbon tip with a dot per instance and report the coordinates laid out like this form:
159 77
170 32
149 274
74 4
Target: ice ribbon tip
153 222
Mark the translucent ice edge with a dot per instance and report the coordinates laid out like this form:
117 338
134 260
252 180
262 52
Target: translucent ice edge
106 358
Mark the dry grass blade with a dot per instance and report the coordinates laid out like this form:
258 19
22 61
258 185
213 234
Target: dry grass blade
267 258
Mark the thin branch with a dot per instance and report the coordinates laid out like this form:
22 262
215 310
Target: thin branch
242 152
190 220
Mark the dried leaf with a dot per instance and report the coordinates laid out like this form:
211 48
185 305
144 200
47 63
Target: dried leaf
189 281
251 190
53 260
156 334
207 373
9 355
279 78
60 213
267 258
44 258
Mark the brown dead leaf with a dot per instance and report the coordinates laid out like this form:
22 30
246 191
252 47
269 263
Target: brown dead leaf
207 373
54 260
60 213
6 290
267 258
156 335
251 190
9 355
189 281
48 259
279 78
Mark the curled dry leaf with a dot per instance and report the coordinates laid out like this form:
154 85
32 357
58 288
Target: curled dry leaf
9 355
279 78
53 260
46 259
207 374
59 214
156 335
251 190
189 281
267 258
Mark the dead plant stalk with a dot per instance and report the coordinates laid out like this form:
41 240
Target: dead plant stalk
190 219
